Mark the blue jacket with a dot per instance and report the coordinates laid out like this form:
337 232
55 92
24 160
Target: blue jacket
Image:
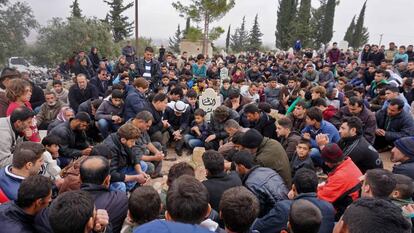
14 220
10 182
276 220
135 102
162 226
326 128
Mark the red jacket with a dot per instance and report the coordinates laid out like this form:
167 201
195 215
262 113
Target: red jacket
343 178
329 112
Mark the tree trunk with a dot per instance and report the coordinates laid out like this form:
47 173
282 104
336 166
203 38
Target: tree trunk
205 39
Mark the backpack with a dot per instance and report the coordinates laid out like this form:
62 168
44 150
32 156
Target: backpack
71 176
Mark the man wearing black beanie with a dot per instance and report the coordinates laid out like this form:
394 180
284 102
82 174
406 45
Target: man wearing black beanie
268 153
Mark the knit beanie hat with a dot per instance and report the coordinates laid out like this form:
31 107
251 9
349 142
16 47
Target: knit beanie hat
83 116
251 139
406 146
331 153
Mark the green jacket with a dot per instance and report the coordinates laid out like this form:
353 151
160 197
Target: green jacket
271 154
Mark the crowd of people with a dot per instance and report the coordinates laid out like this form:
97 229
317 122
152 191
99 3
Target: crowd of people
294 145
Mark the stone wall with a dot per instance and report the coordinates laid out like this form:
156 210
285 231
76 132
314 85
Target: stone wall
194 48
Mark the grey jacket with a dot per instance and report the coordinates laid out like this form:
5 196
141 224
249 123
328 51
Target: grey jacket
8 141
106 110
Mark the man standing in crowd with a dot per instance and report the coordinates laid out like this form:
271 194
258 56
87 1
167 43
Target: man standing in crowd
149 68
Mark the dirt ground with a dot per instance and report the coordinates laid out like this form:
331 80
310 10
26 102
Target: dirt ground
195 160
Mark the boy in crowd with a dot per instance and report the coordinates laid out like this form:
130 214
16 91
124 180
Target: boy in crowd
109 113
51 166
198 130
301 158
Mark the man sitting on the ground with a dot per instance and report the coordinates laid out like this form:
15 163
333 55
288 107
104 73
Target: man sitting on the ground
288 139
260 121
11 129
27 161
304 217
34 194
393 123
403 152
95 179
72 138
48 111
126 168
218 181
304 187
267 185
269 153
151 151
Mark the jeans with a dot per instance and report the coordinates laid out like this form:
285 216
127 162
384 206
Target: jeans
127 186
106 127
192 141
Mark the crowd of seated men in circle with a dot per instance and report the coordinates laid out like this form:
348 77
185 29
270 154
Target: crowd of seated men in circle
294 145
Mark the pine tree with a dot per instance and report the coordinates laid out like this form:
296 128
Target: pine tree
328 21
255 41
174 43
349 34
76 12
121 28
359 28
239 41
301 26
228 39
285 15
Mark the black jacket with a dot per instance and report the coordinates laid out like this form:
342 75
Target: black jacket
155 69
265 125
177 122
157 120
77 96
396 127
217 184
362 153
121 157
101 85
267 186
405 168
114 202
14 220
38 97
276 220
216 127
71 142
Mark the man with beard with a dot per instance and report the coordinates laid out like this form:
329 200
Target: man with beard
403 152
72 136
11 130
357 108
48 111
355 146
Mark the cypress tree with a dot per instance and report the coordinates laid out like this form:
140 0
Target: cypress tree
228 39
285 15
174 42
239 40
328 21
349 34
121 28
301 26
76 12
255 41
359 28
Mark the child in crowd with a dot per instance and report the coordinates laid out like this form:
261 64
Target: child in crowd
198 131
109 113
302 158
225 89
60 92
51 164
200 86
164 86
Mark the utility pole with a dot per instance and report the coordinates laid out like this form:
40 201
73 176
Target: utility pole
136 27
380 39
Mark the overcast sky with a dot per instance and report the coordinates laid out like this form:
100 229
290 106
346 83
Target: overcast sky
159 20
